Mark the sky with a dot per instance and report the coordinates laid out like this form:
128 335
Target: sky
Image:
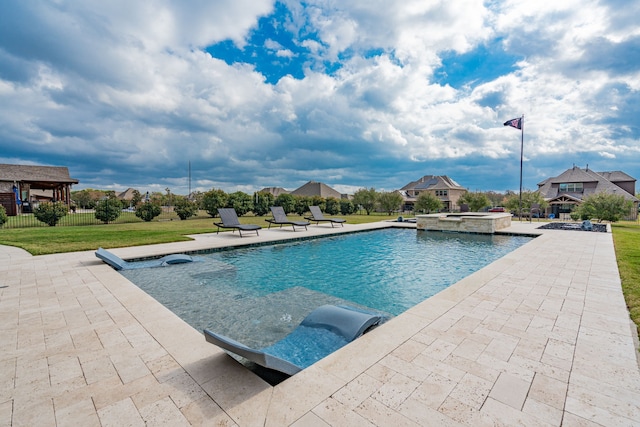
240 95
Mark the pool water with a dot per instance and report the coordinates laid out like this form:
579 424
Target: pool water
257 295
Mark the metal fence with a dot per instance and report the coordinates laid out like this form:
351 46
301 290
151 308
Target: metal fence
88 217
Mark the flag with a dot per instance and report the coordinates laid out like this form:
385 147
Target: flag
17 193
516 123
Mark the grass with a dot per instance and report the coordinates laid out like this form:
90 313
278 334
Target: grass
50 240
626 238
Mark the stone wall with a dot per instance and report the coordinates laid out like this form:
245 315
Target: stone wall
471 222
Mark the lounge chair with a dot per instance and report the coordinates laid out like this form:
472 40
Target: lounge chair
120 264
323 331
318 217
229 219
280 218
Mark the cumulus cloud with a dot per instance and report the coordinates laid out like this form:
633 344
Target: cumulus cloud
128 94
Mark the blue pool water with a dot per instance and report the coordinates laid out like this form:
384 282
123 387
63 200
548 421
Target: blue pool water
257 295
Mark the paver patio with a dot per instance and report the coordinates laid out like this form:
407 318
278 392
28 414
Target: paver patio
539 337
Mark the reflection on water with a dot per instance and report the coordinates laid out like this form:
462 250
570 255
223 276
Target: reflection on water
258 295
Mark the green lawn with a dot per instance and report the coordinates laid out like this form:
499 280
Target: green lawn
626 238
50 240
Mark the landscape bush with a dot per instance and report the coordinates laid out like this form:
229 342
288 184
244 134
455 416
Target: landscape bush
3 215
50 213
148 211
108 210
185 208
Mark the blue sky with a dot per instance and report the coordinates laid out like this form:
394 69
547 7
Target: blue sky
256 93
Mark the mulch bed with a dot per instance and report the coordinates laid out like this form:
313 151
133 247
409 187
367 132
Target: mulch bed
601 228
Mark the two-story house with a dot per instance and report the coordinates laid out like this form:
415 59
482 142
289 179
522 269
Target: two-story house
567 190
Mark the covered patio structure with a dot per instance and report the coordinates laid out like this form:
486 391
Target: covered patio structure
54 180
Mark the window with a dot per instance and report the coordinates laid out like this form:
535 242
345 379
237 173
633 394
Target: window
571 187
442 193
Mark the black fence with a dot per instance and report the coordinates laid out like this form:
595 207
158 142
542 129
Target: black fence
88 217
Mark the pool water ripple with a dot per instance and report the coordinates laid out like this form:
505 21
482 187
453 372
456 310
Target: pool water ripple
257 295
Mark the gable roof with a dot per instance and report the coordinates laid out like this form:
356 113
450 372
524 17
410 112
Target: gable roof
617 176
128 194
313 188
36 174
276 191
433 182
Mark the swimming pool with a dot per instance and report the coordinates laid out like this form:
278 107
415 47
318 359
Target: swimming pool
257 295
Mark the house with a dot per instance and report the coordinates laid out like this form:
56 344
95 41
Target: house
274 191
18 185
442 187
567 190
129 194
313 188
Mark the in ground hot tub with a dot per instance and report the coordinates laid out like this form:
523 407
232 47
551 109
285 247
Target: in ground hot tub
467 222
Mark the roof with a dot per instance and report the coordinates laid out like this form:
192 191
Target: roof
276 191
578 175
313 188
36 174
128 194
433 182
617 176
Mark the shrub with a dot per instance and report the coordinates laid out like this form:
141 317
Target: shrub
603 207
3 215
108 210
185 208
50 213
147 211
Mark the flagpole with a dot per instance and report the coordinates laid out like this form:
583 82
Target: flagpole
521 158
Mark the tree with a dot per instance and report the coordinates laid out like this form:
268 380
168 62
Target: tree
287 201
240 201
147 211
366 199
389 201
212 200
332 206
50 213
604 207
108 209
529 198
83 199
347 207
136 199
427 202
185 208
302 204
262 202
476 201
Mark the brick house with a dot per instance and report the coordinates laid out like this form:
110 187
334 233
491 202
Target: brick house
567 190
442 187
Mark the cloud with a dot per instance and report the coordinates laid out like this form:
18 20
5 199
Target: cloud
356 94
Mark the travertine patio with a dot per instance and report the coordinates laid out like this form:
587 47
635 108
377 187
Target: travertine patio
540 337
